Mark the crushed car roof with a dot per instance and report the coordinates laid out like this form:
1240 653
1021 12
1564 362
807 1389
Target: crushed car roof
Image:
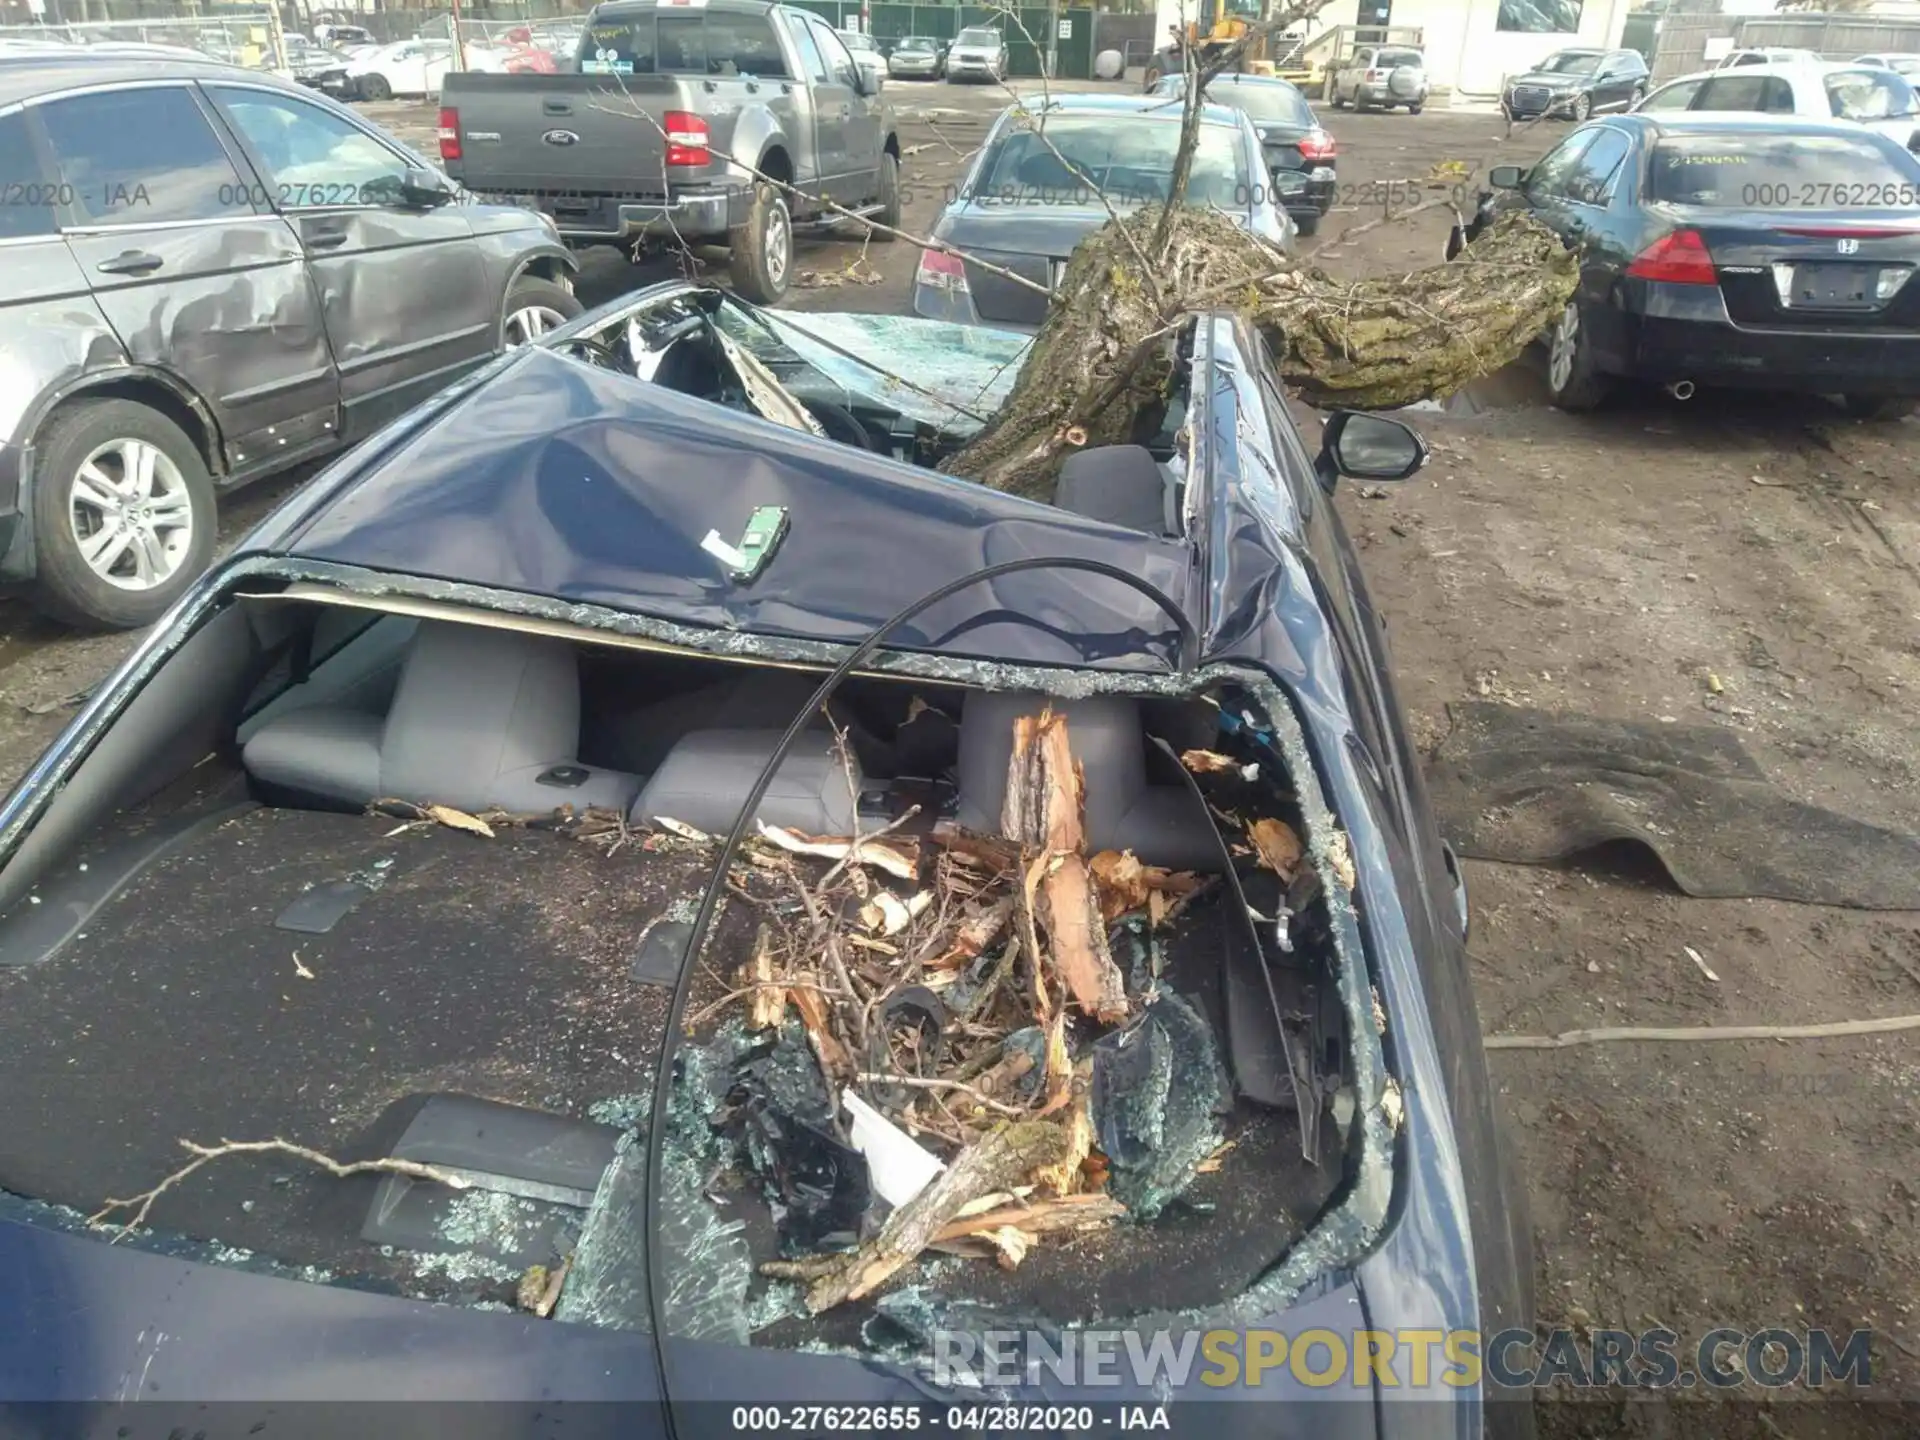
560 480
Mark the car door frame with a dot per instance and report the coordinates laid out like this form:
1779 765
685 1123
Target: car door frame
861 123
1353 67
455 350
1590 231
847 184
315 425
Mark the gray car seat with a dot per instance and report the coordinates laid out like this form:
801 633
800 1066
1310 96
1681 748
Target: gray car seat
1162 824
706 776
1122 485
480 717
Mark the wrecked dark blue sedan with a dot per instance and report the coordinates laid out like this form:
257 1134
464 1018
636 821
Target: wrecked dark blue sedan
636 905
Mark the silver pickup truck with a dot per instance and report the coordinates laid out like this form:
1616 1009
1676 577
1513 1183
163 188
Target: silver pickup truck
678 115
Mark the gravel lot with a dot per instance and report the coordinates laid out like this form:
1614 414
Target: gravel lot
1608 565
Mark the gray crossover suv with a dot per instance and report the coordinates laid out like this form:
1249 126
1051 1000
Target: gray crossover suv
208 275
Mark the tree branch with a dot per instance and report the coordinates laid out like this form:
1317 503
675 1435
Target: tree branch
142 1203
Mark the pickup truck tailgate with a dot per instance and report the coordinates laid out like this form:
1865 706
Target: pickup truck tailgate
559 134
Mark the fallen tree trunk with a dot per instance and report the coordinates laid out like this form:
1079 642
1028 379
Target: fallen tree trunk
1099 370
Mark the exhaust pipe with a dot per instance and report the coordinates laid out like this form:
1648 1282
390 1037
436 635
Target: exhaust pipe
1681 389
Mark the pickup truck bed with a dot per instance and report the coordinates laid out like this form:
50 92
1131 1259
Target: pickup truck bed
719 124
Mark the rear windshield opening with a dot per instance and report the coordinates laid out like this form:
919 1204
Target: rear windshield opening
1749 171
1129 163
683 44
1392 59
1278 104
1870 95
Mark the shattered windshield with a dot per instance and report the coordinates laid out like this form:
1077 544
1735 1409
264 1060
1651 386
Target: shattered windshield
959 373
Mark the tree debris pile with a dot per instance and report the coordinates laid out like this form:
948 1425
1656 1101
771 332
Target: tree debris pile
1099 370
990 1016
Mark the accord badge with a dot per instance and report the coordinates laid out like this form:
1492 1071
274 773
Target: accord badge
561 137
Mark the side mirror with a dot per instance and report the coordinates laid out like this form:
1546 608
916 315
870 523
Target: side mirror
423 189
866 78
1369 447
1286 182
1507 177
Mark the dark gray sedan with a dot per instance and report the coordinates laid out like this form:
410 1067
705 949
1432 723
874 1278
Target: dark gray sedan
1045 179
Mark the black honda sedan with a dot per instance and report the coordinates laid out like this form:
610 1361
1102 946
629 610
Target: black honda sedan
1752 251
428 777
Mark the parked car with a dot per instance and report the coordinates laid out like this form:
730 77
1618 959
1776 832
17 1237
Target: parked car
228 275
343 37
514 596
1765 55
866 53
1300 154
1878 99
1574 84
1754 251
406 68
977 53
1381 76
1028 199
918 57
1899 61
558 143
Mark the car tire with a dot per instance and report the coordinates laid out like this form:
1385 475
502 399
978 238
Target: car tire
1306 224
1338 103
761 259
1416 107
111 438
1572 381
535 305
1581 108
1877 407
889 197
375 87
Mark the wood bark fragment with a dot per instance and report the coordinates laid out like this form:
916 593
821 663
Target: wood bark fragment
1127 885
1044 808
1005 1156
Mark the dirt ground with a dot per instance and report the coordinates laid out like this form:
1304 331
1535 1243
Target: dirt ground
1607 565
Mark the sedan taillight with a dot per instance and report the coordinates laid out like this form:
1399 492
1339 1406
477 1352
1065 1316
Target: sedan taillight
942 271
1317 145
1678 259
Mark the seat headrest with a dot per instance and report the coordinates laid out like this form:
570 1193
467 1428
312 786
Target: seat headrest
1119 484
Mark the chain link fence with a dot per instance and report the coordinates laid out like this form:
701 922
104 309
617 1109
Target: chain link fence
254 39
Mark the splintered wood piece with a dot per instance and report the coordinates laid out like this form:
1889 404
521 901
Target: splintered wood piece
991 851
1069 1212
1002 1158
827 1048
769 1003
1065 1178
1126 885
1279 848
1077 936
975 933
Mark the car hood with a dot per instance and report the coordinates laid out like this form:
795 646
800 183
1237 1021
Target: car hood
556 478
1552 79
